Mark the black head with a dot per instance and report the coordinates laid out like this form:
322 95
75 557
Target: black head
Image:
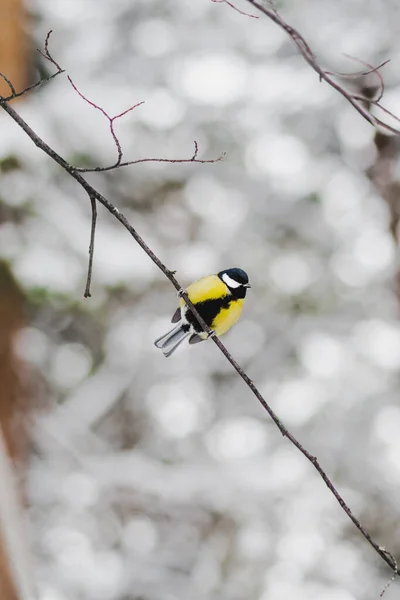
236 280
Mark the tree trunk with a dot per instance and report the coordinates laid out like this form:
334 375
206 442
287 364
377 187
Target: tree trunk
13 45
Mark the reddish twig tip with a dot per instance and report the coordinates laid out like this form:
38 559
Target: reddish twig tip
111 120
241 12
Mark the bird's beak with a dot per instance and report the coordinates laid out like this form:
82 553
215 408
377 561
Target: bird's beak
247 285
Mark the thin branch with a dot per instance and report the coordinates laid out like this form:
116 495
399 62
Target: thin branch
10 85
358 74
118 164
46 54
324 75
158 160
196 151
375 71
372 70
33 86
393 577
87 293
111 123
94 194
382 108
241 12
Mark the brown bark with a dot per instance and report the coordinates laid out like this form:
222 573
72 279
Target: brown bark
13 45
14 64
10 397
7 588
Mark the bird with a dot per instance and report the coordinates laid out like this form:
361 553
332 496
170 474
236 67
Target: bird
219 301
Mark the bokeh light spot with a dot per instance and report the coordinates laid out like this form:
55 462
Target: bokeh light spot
214 79
233 439
178 408
292 273
380 342
70 364
140 536
153 37
299 399
322 355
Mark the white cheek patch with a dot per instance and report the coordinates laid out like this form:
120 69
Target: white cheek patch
230 282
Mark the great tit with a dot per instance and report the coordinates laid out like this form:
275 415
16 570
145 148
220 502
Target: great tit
219 301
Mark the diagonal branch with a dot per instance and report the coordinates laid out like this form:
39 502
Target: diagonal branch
96 196
393 577
355 100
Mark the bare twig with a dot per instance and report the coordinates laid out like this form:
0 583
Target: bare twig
382 108
358 74
119 162
10 85
355 100
95 195
196 151
157 160
31 87
241 12
46 54
87 293
389 583
375 71
110 120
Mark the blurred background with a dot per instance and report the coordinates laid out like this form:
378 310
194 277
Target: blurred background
154 479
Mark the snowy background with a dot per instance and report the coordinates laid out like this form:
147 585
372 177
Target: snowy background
160 479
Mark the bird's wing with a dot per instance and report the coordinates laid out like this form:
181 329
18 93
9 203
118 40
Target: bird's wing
206 288
195 338
177 315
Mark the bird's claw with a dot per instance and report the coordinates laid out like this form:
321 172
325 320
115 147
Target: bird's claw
211 334
180 293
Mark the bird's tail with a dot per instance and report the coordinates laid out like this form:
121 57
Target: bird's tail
171 340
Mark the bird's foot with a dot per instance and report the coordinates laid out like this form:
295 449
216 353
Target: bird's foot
180 293
211 334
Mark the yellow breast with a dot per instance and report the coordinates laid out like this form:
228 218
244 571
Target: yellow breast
227 317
